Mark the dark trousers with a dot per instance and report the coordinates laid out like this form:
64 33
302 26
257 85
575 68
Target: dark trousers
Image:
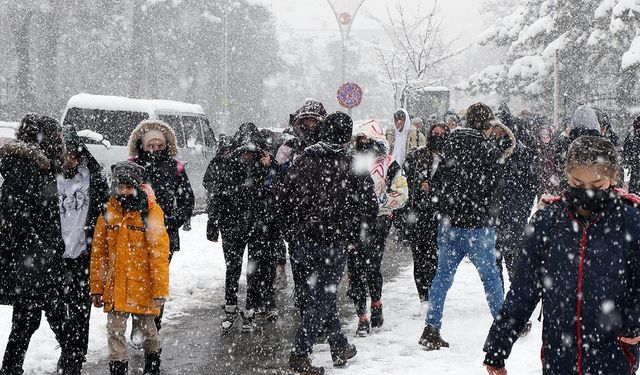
298 272
281 252
509 240
24 323
365 266
323 267
424 249
260 272
77 305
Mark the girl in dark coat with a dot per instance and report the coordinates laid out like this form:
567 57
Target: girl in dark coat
582 259
31 245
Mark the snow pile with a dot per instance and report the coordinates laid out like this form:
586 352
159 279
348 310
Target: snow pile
196 271
395 349
632 56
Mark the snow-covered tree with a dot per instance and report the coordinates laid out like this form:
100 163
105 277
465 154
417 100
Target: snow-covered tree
598 48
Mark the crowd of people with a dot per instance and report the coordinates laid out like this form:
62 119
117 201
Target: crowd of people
324 196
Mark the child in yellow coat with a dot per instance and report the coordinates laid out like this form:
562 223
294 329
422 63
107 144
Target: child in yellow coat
130 266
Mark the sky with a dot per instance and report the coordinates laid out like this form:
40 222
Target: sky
461 18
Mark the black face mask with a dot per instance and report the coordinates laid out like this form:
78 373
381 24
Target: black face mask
588 199
365 147
436 143
155 156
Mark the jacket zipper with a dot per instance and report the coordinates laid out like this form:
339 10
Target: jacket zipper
583 245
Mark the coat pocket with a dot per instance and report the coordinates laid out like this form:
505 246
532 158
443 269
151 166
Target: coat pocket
138 293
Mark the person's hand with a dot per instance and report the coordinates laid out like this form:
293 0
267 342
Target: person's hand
351 247
212 230
496 371
265 160
425 186
630 340
97 300
159 302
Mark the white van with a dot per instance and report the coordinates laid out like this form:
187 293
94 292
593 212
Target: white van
106 122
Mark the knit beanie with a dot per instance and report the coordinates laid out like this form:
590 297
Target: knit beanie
337 129
585 118
127 173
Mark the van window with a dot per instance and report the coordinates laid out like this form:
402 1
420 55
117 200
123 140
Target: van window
209 136
175 122
115 126
193 131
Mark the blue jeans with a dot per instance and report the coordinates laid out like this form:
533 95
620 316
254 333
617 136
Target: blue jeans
453 245
322 267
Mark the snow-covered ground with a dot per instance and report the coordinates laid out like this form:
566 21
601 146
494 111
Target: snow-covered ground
199 269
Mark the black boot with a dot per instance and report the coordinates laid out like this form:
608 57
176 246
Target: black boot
301 365
119 368
69 365
340 356
431 339
152 363
377 319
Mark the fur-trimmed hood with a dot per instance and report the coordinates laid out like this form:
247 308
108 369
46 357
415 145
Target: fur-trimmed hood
135 140
26 151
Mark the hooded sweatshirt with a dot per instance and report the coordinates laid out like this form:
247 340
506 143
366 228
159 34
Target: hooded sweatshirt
400 139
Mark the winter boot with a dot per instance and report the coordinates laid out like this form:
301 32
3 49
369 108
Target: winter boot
119 368
301 365
364 327
526 330
152 363
248 321
376 315
68 365
340 356
431 339
231 313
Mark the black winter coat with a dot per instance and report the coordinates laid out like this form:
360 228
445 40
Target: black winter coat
323 201
631 159
421 207
31 244
170 183
585 271
469 175
98 197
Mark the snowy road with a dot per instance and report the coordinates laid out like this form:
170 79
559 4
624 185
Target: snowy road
193 343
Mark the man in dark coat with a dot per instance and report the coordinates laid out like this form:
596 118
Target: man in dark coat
31 244
241 207
324 203
631 156
153 145
83 192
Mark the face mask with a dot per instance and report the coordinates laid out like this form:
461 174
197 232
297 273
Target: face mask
436 143
364 147
155 156
130 202
588 199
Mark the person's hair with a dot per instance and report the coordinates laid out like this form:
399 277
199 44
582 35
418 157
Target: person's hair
438 125
589 151
399 115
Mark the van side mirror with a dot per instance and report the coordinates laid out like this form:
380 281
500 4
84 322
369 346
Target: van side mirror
96 137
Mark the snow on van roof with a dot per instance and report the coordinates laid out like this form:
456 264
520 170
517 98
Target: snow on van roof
119 103
8 129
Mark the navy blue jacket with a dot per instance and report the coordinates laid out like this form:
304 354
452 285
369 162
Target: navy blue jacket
586 272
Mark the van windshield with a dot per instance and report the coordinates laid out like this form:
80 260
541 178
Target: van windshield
116 126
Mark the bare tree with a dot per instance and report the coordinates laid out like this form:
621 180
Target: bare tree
418 53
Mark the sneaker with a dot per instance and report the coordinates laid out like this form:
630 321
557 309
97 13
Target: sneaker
431 339
301 365
231 313
280 282
526 330
364 327
248 321
377 319
340 356
271 315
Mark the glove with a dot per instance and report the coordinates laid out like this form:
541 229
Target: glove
212 230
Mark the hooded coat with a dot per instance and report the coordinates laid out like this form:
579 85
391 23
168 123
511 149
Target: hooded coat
323 201
31 244
585 271
167 177
130 258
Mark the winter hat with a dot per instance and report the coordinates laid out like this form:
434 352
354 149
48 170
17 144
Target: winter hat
127 173
310 109
152 134
72 140
451 115
46 133
585 118
479 116
337 128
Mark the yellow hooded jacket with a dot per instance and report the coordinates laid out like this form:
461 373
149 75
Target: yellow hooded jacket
130 260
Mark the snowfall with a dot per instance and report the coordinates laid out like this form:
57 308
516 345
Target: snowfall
197 273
